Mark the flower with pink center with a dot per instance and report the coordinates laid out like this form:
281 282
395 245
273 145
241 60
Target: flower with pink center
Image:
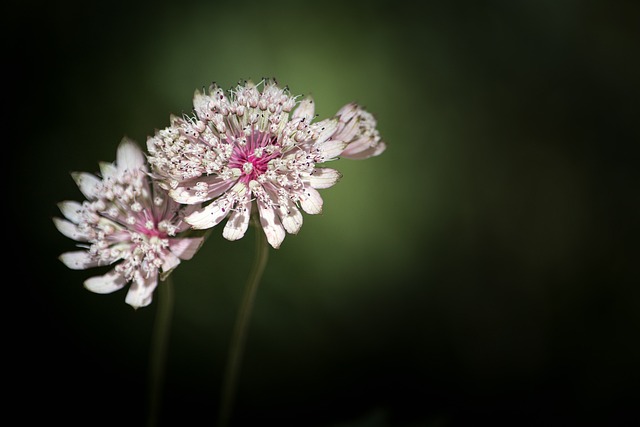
253 145
129 222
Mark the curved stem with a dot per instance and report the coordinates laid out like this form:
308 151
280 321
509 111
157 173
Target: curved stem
159 345
239 336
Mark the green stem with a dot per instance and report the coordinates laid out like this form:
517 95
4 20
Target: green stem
239 336
159 345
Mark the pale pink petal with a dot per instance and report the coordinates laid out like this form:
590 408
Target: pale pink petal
330 150
70 230
291 217
71 210
88 184
80 260
108 170
185 248
271 224
347 112
129 156
327 128
238 221
215 212
106 284
141 290
200 189
170 261
310 201
322 178
207 217
358 153
305 110
201 105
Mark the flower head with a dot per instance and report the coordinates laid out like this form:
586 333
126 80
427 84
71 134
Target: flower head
129 221
358 128
256 143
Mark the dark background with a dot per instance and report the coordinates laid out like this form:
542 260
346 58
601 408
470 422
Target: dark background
482 271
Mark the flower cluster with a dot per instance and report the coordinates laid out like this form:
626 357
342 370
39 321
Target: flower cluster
129 221
257 145
252 151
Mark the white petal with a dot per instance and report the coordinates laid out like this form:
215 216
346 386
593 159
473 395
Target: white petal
171 261
207 217
331 149
79 260
324 177
70 230
187 193
238 221
347 112
348 131
108 170
356 152
291 217
216 211
185 248
129 156
327 129
87 183
306 110
106 284
141 290
271 225
71 210
311 201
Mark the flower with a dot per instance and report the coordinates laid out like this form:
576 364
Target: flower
256 145
129 221
357 127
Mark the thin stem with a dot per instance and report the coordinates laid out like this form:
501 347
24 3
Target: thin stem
239 336
159 345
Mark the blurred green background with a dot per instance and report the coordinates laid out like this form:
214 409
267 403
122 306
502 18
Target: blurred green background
482 271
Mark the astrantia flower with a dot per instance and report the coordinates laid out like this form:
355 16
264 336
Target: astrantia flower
254 145
128 221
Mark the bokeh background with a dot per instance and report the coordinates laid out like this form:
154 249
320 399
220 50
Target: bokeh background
482 271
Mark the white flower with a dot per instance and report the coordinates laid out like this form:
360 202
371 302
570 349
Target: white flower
129 222
253 145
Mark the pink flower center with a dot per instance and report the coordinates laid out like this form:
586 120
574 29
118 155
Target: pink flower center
252 154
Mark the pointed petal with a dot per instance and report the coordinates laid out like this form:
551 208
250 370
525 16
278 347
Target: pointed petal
207 217
291 217
171 261
79 260
347 112
106 284
238 221
129 156
331 149
355 152
141 290
87 183
201 103
271 224
108 170
311 201
216 211
326 128
71 210
185 248
70 230
322 178
304 110
191 192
